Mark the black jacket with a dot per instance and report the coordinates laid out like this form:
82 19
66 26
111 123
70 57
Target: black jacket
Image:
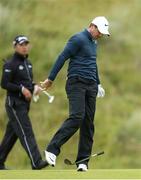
17 72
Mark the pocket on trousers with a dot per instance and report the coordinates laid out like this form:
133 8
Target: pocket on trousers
69 84
14 102
9 101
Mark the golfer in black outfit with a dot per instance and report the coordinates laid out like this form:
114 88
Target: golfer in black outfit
17 79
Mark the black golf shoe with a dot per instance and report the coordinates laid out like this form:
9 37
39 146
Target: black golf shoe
2 167
42 164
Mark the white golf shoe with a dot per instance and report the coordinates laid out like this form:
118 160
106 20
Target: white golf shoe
82 167
50 158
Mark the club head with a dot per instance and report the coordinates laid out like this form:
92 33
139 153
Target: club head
51 98
100 153
67 161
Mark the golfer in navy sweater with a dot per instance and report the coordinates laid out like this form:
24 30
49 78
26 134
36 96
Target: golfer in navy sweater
82 88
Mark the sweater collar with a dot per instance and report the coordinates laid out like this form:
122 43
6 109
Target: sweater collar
20 56
88 34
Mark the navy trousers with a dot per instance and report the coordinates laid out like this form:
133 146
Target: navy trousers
81 94
19 126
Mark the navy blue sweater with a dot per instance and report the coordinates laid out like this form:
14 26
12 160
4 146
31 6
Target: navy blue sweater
81 50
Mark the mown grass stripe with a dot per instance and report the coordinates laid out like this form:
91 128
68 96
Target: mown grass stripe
71 174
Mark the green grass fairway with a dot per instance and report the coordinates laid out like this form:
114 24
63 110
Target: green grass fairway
71 174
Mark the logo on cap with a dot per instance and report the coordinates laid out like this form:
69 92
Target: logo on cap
20 39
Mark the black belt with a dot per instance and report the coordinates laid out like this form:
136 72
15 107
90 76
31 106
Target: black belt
81 79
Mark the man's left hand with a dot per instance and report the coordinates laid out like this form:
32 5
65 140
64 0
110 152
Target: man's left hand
37 90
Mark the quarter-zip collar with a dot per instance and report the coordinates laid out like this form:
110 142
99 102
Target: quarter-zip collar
20 56
88 34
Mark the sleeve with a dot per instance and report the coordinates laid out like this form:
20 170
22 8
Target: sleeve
6 80
97 76
70 50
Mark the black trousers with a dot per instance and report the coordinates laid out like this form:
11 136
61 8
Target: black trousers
81 94
19 126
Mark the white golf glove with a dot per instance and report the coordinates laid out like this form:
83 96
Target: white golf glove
36 93
35 98
101 91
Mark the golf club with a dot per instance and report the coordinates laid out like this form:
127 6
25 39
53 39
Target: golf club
51 98
68 162
36 97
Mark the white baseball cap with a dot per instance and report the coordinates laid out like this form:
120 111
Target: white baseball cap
102 24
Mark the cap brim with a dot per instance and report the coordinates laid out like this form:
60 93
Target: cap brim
23 41
105 32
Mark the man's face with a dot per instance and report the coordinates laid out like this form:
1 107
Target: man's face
95 32
23 48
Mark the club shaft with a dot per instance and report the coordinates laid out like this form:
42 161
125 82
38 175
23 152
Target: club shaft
97 154
45 92
77 162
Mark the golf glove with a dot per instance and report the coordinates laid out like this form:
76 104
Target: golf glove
36 93
101 91
35 98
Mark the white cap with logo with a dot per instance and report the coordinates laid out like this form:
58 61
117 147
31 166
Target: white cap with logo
102 24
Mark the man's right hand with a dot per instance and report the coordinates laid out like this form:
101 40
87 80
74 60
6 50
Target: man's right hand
46 84
27 94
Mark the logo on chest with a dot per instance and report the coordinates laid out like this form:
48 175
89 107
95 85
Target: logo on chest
29 66
21 67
